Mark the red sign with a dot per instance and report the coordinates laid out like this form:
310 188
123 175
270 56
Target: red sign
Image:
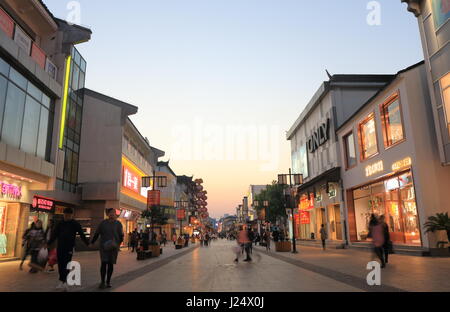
307 204
131 179
153 198
181 214
44 204
304 217
6 23
38 55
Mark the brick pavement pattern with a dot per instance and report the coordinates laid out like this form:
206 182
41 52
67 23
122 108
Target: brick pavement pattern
209 269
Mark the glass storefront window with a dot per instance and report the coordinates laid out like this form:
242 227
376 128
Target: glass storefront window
368 135
392 118
350 150
9 223
25 113
395 199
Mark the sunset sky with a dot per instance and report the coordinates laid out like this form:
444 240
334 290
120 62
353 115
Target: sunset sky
219 82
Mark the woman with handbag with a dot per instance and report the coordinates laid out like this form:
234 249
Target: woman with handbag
111 236
36 239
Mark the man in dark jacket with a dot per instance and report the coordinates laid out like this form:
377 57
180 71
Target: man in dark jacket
65 232
387 247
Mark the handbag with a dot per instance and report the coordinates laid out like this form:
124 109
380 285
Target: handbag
42 255
110 245
52 257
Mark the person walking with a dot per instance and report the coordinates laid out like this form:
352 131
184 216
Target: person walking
377 236
323 235
36 237
65 233
134 239
26 245
164 238
387 246
267 239
52 257
244 241
251 237
111 236
275 235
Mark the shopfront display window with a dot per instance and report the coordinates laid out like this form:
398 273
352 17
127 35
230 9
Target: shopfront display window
392 121
395 199
368 135
9 222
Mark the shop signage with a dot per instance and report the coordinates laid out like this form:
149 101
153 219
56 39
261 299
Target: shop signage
181 214
307 204
153 198
59 209
38 55
131 179
319 137
332 191
305 217
22 40
402 164
10 191
374 168
43 204
6 23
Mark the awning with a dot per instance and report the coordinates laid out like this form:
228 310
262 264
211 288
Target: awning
332 175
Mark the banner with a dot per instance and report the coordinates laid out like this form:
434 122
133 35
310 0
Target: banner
304 217
181 214
153 198
38 55
131 179
6 23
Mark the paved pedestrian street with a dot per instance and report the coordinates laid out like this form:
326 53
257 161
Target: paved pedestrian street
212 269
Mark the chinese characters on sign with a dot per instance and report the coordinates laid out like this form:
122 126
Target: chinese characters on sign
181 214
402 164
43 204
153 198
10 191
130 179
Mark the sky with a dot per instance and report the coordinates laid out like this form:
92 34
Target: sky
219 82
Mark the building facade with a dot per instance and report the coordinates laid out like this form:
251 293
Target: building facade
36 52
315 152
114 157
391 163
433 19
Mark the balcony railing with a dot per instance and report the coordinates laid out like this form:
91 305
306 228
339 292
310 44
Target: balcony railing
15 32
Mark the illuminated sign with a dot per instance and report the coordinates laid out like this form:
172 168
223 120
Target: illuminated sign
307 204
402 164
130 179
43 204
374 168
304 217
10 191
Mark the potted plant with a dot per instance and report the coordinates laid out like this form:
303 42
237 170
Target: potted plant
439 223
156 216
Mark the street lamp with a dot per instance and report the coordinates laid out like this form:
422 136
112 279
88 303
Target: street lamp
181 206
282 180
155 181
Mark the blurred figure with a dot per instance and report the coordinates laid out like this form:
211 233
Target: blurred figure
52 257
267 239
111 236
387 246
377 236
244 241
26 245
65 233
323 235
36 238
134 240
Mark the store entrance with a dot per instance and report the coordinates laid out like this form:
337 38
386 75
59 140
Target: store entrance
334 218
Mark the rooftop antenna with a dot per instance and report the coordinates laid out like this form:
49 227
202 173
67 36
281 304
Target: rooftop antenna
329 75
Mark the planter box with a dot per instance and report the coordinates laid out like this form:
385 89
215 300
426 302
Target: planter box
178 246
283 246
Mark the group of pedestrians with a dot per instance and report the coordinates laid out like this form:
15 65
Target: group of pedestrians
142 239
38 242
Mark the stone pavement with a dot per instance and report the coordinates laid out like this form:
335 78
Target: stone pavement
211 269
402 273
14 280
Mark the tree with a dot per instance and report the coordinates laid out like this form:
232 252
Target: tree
274 194
156 216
